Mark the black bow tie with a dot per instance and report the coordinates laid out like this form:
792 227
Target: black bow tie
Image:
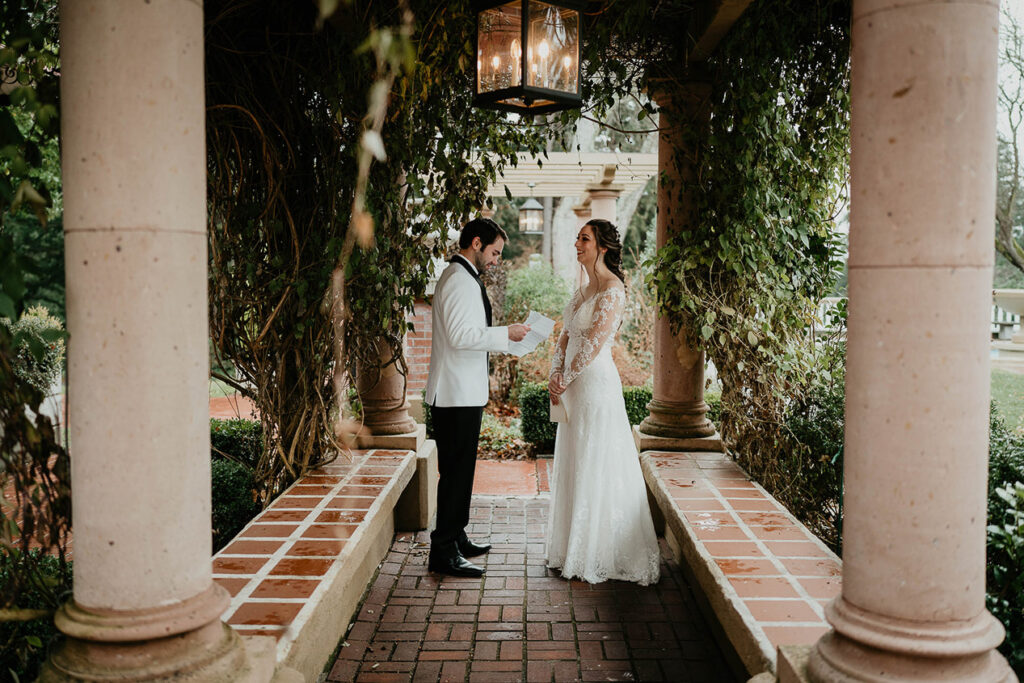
483 290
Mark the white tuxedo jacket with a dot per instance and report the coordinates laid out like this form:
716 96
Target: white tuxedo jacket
460 340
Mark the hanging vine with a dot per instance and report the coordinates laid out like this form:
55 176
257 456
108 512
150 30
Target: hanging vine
288 138
744 280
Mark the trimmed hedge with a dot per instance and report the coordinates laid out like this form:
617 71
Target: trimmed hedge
233 500
235 448
237 440
539 430
637 399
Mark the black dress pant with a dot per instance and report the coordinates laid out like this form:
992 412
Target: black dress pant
457 433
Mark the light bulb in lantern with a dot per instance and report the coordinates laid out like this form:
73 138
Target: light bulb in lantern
515 50
495 62
543 50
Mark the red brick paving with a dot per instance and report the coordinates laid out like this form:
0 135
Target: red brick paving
511 477
522 622
232 407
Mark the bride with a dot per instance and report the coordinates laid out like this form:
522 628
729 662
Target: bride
599 525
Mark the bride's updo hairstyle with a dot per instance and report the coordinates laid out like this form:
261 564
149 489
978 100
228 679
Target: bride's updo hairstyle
607 237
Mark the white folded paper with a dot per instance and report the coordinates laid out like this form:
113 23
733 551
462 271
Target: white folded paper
559 412
540 329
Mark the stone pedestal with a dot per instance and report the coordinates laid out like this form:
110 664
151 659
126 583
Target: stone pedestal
382 394
678 410
923 98
134 167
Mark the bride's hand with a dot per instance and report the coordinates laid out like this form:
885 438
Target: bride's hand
556 387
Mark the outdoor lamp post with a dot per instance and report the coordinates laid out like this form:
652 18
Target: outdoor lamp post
542 78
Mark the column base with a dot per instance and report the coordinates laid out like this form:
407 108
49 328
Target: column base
211 653
185 641
677 420
679 444
387 417
410 440
870 647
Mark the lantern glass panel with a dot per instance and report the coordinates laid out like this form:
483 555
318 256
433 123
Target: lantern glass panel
553 52
499 48
531 222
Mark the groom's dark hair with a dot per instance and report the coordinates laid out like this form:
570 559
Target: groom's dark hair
484 228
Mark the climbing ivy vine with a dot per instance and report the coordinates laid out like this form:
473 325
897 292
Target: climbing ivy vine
743 281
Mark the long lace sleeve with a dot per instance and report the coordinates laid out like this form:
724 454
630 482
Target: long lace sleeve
558 357
608 309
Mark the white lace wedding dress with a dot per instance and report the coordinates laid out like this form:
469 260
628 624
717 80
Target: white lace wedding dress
599 524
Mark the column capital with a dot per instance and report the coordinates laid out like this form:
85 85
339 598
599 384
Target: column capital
604 191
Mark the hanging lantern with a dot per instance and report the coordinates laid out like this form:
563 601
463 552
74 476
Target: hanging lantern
531 217
543 76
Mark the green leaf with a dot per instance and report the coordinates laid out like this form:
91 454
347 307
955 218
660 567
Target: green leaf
7 309
706 331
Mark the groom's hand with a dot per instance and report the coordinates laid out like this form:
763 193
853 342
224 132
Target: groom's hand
517 332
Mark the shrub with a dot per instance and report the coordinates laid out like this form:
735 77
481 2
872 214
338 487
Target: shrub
1005 597
813 468
428 419
538 429
39 338
24 645
498 440
235 449
637 399
1005 587
713 397
233 500
1005 461
534 288
237 440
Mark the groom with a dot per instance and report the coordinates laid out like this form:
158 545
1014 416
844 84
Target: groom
458 388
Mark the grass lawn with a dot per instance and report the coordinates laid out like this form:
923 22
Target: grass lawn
1008 393
218 388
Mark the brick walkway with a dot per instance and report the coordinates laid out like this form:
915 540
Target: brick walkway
522 622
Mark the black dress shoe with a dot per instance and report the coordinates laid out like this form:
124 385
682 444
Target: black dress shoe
454 565
469 549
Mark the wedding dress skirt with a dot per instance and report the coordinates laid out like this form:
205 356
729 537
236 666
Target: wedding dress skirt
599 524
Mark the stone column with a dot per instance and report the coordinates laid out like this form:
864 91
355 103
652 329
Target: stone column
547 240
923 97
603 202
134 167
583 214
564 258
678 419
